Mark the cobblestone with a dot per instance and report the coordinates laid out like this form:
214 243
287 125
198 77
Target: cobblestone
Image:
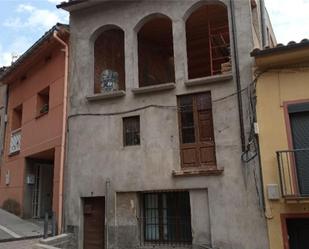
21 244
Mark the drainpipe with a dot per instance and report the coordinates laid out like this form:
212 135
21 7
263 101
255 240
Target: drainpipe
263 26
5 116
237 74
63 136
107 187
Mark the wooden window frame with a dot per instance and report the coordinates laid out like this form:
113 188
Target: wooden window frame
17 111
124 122
43 101
197 144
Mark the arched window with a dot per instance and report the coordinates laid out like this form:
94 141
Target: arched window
109 65
208 41
155 52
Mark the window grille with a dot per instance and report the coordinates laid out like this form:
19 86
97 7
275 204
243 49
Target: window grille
167 218
131 130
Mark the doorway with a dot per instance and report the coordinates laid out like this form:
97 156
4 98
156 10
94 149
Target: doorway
297 233
94 222
38 191
42 194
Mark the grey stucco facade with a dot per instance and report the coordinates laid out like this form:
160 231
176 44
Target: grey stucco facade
225 210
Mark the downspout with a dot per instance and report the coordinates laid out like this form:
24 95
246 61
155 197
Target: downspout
237 74
63 136
6 102
263 27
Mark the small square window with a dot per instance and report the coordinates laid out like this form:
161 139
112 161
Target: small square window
43 101
131 131
17 115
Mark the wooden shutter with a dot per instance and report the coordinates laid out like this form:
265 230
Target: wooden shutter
199 149
189 156
206 144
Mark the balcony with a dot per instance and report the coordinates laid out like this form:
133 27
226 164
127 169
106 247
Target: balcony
294 173
15 141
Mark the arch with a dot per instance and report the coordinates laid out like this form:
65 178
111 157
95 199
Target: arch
208 39
155 50
109 57
147 18
102 29
199 4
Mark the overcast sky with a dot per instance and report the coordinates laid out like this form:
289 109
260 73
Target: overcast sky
24 21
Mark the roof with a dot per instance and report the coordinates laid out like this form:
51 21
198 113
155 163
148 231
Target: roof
73 5
69 3
280 48
2 69
7 71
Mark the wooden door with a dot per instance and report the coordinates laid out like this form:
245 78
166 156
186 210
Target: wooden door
94 222
197 143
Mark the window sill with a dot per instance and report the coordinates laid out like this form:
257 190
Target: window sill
167 245
154 88
41 115
209 79
15 153
107 95
198 171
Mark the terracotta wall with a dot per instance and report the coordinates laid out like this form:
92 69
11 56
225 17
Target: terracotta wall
38 133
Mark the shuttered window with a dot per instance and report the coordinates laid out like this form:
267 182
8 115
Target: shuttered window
197 145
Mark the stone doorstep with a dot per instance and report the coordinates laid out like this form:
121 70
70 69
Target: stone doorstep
40 246
52 242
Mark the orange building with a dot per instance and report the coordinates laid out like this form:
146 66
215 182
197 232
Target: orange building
32 170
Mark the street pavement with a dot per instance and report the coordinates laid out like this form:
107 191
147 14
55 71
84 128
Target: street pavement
21 244
12 226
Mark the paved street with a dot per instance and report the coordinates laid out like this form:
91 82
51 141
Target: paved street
12 226
22 244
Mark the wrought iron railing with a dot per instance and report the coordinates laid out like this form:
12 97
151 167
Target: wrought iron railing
15 141
294 172
174 230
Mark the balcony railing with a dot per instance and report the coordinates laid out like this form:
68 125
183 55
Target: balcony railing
294 173
15 141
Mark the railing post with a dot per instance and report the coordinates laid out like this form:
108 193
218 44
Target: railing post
280 173
45 226
54 225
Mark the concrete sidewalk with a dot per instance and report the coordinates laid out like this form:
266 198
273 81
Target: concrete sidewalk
12 226
22 244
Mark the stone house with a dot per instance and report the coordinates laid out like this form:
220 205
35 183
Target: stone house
158 124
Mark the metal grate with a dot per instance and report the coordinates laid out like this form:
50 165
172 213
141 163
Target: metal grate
166 218
131 131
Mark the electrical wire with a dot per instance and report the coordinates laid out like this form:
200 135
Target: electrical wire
160 106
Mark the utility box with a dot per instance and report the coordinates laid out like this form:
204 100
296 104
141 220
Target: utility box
273 192
30 179
7 178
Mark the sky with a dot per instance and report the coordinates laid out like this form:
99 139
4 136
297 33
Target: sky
23 22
